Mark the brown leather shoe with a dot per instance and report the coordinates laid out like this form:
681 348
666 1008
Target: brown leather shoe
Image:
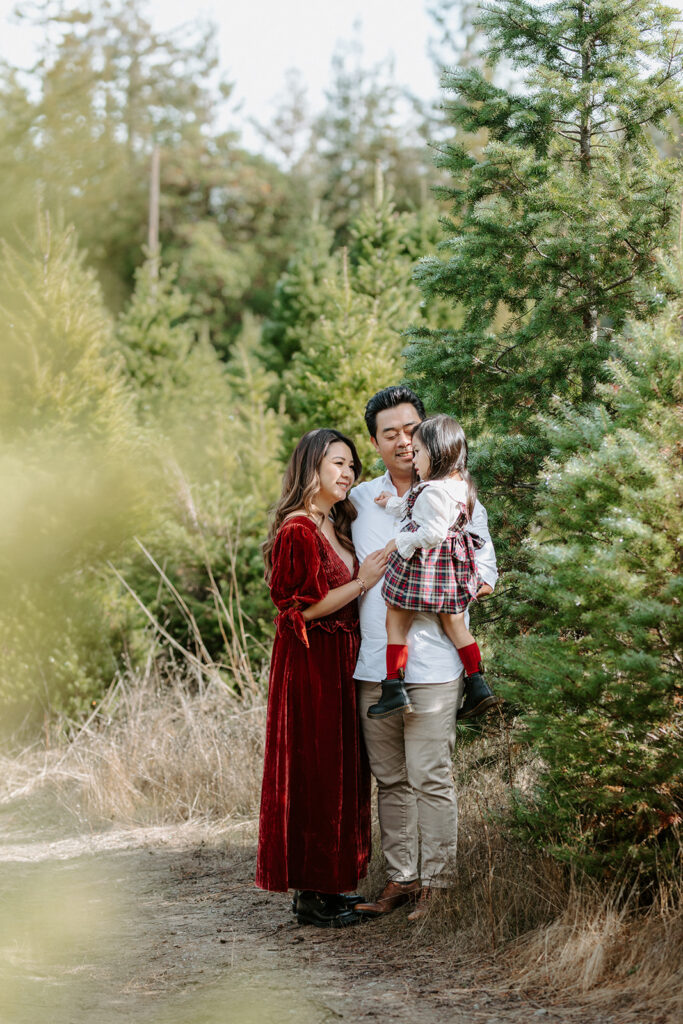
424 903
394 895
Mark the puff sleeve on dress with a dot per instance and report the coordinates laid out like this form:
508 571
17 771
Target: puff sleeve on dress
298 578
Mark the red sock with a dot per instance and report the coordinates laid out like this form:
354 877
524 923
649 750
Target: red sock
397 657
470 657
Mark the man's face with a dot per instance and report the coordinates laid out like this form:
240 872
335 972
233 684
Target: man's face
393 441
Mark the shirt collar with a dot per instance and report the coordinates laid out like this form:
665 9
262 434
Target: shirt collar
388 482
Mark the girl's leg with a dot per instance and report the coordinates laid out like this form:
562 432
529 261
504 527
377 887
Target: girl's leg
399 621
398 625
457 632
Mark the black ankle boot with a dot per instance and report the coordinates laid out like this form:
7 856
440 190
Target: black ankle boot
394 698
324 910
347 900
478 696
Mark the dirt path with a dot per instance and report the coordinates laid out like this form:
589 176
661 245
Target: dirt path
164 926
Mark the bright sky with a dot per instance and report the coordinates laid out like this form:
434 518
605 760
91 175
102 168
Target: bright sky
260 39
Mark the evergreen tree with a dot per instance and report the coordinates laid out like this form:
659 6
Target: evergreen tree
459 42
72 490
105 90
155 336
301 295
554 231
355 346
598 672
288 132
17 153
216 448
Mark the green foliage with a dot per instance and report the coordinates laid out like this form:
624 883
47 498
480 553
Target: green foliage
353 346
228 219
80 128
598 673
71 490
552 242
105 90
216 445
552 249
301 295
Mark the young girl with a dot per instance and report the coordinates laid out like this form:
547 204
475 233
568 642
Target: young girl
431 567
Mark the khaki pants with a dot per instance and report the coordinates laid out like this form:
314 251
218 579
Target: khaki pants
410 756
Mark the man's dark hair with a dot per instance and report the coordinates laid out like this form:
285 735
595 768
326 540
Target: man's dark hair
389 398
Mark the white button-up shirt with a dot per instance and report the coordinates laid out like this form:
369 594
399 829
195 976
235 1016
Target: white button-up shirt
432 658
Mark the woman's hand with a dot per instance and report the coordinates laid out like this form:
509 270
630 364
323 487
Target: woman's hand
383 498
373 567
390 548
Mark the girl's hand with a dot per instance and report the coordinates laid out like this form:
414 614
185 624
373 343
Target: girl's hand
383 498
390 548
373 568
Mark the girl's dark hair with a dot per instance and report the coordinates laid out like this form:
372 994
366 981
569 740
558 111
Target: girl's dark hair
446 445
300 484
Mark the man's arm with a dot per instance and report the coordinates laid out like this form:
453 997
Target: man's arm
485 557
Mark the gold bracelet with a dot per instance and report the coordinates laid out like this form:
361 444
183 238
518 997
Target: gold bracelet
361 584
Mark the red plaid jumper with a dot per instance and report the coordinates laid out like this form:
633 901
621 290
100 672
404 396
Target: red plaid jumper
437 579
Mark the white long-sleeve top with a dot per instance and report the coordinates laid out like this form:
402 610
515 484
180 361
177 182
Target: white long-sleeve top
432 658
436 508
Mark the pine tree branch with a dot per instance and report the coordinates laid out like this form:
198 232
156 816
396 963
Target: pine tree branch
620 13
553 263
524 29
492 368
631 124
617 284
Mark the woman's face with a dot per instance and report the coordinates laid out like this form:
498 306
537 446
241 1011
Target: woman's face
421 460
336 473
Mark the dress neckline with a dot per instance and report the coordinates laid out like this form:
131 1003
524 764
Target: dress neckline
320 533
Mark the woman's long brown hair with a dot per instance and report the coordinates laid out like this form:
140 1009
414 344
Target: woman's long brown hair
446 445
301 483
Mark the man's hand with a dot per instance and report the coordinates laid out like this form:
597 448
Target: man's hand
484 590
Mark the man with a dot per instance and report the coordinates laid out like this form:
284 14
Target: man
410 756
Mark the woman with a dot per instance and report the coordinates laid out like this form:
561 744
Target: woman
314 833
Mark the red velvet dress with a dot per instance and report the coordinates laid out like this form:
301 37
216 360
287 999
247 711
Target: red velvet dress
314 830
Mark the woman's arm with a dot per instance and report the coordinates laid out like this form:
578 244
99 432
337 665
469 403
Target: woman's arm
371 570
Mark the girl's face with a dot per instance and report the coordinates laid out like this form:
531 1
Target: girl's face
421 460
336 474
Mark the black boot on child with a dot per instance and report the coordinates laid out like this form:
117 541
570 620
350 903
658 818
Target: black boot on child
478 696
393 700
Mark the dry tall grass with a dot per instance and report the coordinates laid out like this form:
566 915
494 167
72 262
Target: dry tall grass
156 751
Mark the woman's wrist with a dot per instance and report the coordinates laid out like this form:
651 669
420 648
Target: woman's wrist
362 584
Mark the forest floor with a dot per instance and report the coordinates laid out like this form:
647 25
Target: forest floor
163 925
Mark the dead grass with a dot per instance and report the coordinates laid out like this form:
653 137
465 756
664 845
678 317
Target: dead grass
155 751
606 954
